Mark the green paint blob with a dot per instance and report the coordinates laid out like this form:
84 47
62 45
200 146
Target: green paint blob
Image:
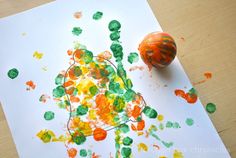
98 15
129 83
77 71
114 36
114 25
211 108
79 139
76 31
13 73
189 121
149 112
59 79
127 141
133 58
83 153
166 144
49 115
176 125
124 128
87 56
169 124
126 151
117 51
93 90
129 95
58 92
46 137
82 110
115 87
119 104
161 126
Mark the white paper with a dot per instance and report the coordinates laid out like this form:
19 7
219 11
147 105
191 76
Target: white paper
48 29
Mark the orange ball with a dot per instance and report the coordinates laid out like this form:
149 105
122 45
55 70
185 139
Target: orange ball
157 49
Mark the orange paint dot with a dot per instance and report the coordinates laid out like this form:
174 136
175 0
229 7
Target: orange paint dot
78 15
72 152
208 75
30 84
99 134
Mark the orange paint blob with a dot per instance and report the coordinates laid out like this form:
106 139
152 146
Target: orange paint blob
208 75
190 98
31 85
99 134
72 152
78 15
136 111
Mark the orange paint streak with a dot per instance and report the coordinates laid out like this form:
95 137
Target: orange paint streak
99 134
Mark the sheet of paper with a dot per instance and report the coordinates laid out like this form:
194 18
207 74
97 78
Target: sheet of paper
36 43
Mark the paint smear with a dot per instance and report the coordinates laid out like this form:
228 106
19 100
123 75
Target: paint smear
191 96
207 75
133 68
210 108
13 73
77 15
30 85
37 55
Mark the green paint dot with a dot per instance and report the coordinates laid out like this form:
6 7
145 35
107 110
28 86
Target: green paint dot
169 124
176 125
211 108
119 104
114 25
82 110
149 112
77 71
98 15
129 95
126 151
133 58
124 128
13 73
189 121
59 92
79 139
49 115
59 79
46 137
76 31
114 36
83 153
127 141
93 90
117 51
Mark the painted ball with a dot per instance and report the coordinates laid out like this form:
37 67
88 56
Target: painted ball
158 49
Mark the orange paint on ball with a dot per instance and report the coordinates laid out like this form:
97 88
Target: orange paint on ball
158 49
99 134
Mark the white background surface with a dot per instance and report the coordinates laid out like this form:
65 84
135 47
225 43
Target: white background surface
48 30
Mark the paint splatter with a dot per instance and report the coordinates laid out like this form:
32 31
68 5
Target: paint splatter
189 121
133 57
37 55
142 147
141 68
178 154
77 31
30 85
49 115
191 96
72 152
210 108
98 15
77 15
207 75
13 73
43 98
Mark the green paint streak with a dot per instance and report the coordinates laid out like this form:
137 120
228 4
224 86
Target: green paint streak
79 139
83 153
126 151
189 121
77 31
127 141
166 144
133 57
49 115
58 92
13 73
98 15
210 108
149 112
59 79
114 36
82 110
114 25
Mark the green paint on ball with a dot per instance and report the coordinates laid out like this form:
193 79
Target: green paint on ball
82 110
114 36
49 115
59 91
210 108
114 25
189 121
13 73
127 141
77 31
133 57
83 153
98 15
126 151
